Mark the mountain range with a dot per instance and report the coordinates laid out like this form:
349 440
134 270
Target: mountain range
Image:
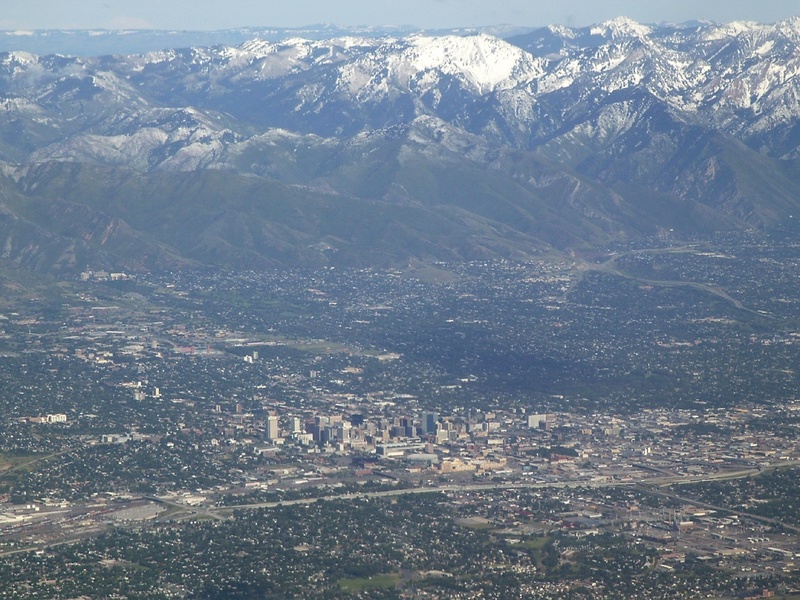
380 150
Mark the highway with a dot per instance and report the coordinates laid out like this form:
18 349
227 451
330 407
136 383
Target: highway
658 486
651 484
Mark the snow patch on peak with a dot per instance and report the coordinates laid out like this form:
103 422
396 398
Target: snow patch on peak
486 62
765 48
481 63
562 31
256 47
352 42
478 56
621 27
274 134
793 22
22 64
18 58
789 27
731 30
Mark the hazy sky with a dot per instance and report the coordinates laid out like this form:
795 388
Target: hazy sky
225 14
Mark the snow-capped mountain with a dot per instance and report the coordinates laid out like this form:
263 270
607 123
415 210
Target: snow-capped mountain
738 78
565 135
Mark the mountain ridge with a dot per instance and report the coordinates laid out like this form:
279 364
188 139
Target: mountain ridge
613 131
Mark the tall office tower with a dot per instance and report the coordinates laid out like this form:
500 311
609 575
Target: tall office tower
297 425
429 421
273 429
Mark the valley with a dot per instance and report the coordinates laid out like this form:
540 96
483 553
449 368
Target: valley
589 408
